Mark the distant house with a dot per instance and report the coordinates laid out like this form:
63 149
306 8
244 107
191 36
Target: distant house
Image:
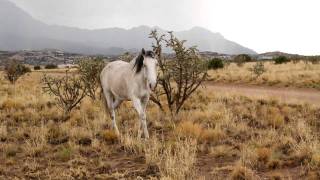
265 57
58 53
64 66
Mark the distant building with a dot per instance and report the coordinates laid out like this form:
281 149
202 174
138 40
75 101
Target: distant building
264 57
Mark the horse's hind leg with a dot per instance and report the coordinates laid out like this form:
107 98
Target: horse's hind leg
112 104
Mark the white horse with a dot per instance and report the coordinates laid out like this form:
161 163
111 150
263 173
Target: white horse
134 81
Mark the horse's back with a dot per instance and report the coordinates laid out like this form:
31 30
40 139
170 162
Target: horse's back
113 77
113 68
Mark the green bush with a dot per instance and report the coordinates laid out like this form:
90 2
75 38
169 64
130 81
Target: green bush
215 63
36 67
241 59
281 60
51 66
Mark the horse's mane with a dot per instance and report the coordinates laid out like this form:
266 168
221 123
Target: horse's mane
139 60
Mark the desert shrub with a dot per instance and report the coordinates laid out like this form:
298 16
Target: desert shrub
51 66
175 159
178 77
13 70
89 71
241 59
68 90
242 173
127 56
37 67
215 63
281 60
258 69
314 59
188 129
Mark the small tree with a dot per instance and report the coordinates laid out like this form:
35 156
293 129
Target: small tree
215 63
281 60
241 59
258 69
68 90
178 77
37 67
14 70
51 66
89 71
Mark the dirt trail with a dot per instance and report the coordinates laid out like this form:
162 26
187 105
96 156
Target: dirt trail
287 95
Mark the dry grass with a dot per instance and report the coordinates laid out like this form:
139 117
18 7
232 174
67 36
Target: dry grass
216 135
284 75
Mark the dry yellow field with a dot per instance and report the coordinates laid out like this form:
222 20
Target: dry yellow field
284 75
216 136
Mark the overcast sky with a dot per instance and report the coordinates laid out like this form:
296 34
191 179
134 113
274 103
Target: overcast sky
262 25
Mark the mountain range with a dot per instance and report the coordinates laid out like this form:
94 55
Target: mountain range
19 30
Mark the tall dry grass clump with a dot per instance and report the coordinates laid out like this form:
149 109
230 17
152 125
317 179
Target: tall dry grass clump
176 159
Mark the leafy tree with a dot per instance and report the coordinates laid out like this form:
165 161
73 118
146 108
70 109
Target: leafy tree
37 67
241 59
180 76
13 70
215 63
51 66
281 60
89 71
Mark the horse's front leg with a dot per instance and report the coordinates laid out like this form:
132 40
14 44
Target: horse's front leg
139 105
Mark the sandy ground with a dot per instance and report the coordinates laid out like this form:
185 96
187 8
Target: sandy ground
286 95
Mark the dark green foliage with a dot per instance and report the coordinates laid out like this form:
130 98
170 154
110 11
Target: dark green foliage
281 60
215 63
241 59
51 66
36 67
89 71
14 70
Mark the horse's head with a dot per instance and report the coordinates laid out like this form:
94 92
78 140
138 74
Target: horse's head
146 63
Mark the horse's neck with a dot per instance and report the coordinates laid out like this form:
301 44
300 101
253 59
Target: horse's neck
137 76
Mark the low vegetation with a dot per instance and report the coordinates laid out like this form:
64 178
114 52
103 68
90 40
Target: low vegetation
258 69
14 70
215 63
68 90
215 135
51 66
281 60
241 59
37 68
291 74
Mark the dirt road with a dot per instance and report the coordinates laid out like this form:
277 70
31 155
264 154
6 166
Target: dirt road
287 95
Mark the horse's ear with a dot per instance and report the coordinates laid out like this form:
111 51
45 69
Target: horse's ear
143 52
